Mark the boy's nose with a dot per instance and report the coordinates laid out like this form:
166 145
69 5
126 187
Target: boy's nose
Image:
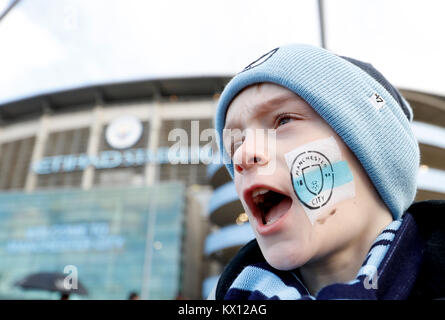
250 157
248 164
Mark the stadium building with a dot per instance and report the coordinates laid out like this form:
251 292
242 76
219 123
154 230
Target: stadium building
86 181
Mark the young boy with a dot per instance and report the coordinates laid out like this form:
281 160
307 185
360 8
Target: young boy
325 167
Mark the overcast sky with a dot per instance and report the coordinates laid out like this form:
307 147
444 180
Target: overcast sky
49 45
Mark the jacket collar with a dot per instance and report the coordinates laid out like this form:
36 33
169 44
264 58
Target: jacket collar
430 219
428 216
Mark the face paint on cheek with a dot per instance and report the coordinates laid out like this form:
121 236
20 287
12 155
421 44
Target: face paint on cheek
319 175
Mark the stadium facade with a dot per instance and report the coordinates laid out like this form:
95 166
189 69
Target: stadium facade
86 181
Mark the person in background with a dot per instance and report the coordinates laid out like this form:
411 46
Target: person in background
133 296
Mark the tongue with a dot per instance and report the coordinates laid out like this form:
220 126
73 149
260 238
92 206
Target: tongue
278 210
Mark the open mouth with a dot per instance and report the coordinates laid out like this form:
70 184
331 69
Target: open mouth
268 206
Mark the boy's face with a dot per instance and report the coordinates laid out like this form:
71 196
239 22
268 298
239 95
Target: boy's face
287 237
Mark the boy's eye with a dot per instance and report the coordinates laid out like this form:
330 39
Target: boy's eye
282 120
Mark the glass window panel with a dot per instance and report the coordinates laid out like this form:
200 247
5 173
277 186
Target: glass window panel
102 232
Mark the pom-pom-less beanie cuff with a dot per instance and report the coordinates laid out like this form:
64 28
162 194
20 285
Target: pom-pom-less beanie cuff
363 108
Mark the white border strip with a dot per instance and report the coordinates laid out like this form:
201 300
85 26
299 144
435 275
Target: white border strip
431 179
230 236
429 134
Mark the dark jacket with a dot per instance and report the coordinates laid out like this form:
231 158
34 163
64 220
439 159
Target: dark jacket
430 284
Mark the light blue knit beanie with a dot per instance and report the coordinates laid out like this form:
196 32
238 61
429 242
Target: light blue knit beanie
363 108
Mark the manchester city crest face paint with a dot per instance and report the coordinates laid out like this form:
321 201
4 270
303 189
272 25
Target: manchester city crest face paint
319 176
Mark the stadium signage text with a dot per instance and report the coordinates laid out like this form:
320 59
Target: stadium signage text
127 158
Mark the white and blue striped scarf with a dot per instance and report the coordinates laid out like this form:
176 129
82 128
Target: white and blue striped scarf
388 272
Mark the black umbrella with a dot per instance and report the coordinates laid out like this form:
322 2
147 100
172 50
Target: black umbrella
50 281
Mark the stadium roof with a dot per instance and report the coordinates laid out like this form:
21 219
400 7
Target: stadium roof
112 93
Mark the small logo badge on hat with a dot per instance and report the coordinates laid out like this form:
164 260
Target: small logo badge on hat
260 60
377 101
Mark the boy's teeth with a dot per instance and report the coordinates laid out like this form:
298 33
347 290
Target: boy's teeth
272 220
259 191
